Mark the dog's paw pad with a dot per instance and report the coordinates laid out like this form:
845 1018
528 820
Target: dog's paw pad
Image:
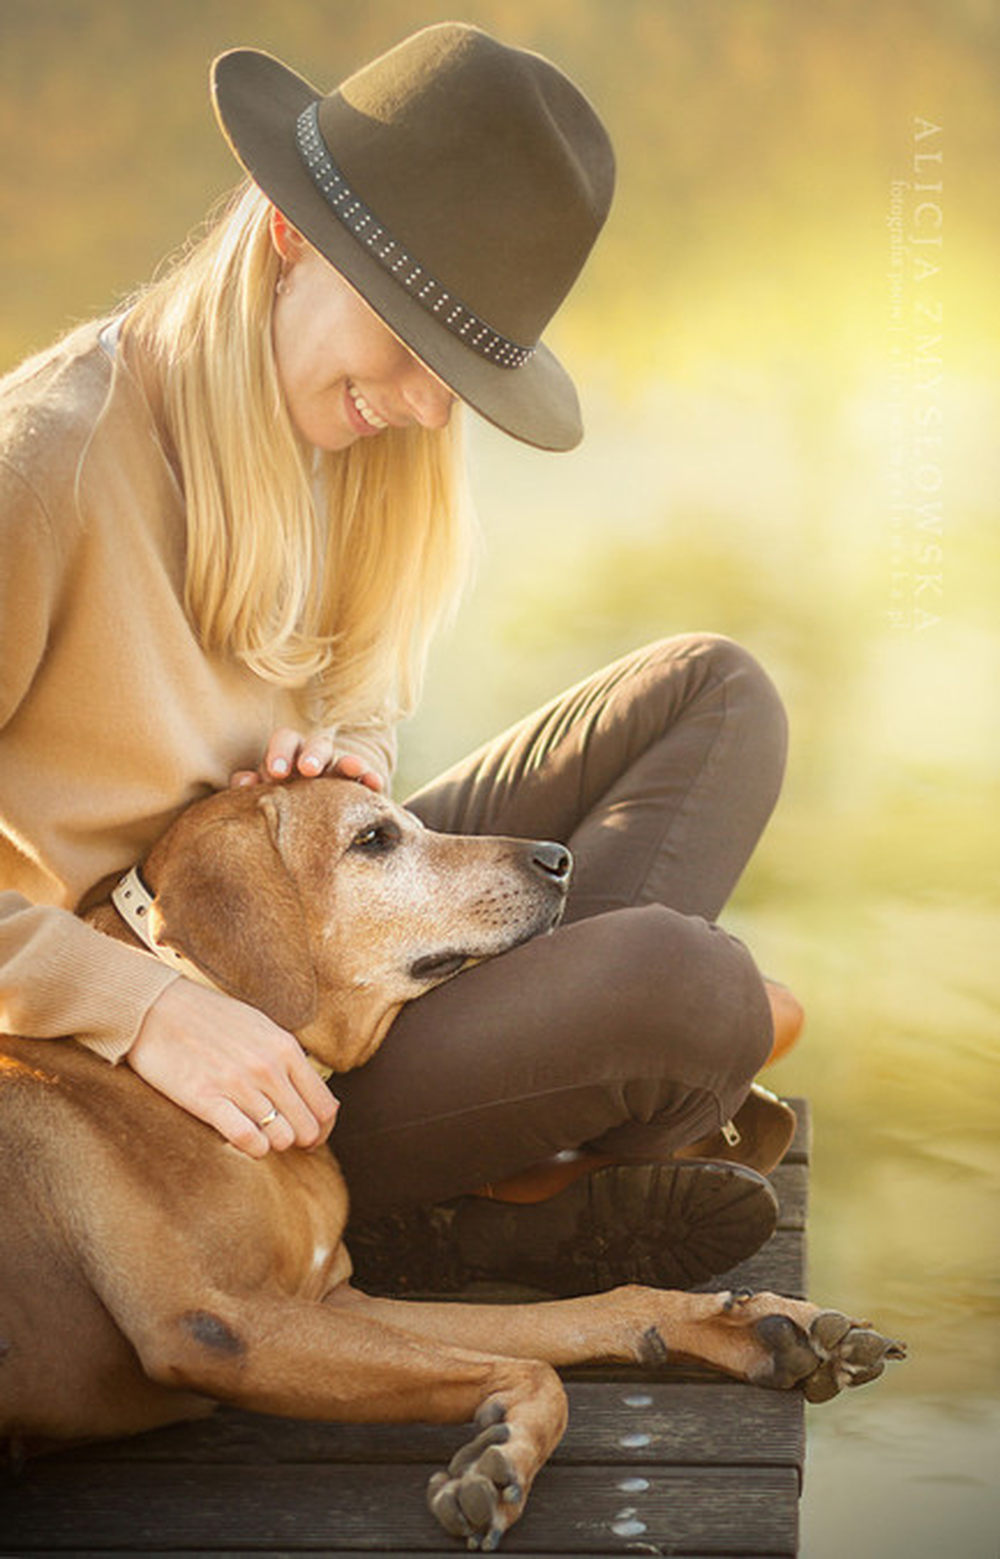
792 1359
828 1329
466 1455
835 1353
444 1507
480 1495
492 1411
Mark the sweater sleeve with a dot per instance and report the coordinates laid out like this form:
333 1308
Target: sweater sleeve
58 976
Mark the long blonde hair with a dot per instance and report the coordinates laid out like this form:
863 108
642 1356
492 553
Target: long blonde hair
325 572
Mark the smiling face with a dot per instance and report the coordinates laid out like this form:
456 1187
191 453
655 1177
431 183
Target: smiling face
328 907
343 373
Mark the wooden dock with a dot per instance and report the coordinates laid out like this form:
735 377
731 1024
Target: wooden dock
685 1464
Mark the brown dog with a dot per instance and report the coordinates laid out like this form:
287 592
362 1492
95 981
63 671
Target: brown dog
151 1271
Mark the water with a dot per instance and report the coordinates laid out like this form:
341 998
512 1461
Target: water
913 1476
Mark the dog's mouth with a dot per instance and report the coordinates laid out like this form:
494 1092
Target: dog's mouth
438 966
441 966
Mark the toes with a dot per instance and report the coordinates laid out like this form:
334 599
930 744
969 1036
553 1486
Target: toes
835 1353
857 1358
829 1328
849 1354
822 1384
498 1469
497 1434
479 1500
442 1498
863 1348
480 1495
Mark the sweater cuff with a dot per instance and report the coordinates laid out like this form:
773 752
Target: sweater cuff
127 1007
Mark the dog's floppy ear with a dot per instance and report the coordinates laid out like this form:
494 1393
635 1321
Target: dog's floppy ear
224 899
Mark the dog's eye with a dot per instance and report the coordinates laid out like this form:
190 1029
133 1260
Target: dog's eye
376 839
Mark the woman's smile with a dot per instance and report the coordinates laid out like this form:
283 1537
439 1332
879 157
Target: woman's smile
374 423
343 373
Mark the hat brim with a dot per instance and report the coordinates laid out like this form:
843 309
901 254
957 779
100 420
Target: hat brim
257 101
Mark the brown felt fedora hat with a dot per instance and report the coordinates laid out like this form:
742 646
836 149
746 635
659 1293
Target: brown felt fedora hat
458 184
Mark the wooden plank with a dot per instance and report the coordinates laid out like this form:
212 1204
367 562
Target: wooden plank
680 1424
800 1148
573 1510
791 1186
778 1266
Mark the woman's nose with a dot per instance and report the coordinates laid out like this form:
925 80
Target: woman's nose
428 400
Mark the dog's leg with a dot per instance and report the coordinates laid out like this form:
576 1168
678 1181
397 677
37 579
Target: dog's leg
762 1338
301 1359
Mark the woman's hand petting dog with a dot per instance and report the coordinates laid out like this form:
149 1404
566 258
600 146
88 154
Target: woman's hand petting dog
290 754
230 1066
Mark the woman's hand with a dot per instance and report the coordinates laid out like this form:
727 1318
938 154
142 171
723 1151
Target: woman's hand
291 753
230 1066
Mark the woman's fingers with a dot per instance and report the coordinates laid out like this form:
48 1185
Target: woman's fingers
290 753
349 766
284 754
302 1100
236 1127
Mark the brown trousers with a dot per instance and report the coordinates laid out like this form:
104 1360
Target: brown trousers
639 1024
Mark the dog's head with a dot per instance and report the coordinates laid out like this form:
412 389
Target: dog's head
328 907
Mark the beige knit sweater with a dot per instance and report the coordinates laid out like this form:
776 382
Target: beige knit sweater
112 717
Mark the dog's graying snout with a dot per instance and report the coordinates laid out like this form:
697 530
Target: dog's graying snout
554 859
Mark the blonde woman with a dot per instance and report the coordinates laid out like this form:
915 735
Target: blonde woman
230 525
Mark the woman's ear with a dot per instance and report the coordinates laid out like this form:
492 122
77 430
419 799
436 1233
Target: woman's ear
287 240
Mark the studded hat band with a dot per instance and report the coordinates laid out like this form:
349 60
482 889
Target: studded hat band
408 272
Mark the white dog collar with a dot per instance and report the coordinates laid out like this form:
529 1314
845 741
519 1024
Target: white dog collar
133 901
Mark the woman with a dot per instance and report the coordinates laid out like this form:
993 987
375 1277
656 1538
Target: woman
230 527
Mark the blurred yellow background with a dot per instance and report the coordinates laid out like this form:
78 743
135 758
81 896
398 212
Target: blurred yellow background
787 347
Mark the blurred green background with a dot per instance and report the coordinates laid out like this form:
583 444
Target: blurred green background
788 357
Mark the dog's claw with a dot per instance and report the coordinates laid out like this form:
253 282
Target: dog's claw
836 1353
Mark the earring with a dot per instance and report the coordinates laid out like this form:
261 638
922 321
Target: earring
283 284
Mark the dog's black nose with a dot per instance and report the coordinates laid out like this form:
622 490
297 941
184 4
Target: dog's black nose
554 859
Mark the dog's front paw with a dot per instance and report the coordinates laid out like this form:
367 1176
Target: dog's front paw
831 1353
481 1494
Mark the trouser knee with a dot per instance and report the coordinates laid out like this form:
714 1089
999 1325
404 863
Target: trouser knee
688 1000
752 700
